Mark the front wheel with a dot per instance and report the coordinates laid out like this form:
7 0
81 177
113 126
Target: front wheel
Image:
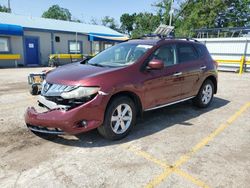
119 118
205 95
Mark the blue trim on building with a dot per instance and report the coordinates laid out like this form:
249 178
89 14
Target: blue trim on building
94 38
8 29
105 35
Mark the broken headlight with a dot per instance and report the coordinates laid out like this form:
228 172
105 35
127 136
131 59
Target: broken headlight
80 92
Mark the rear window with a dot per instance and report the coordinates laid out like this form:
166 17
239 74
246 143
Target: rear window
186 52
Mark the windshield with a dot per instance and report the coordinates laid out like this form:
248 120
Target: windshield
120 55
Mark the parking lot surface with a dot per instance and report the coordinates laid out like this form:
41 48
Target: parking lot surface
176 146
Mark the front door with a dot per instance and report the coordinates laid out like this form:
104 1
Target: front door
163 86
31 51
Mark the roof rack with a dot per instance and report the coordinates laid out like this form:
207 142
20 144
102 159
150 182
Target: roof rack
186 38
164 32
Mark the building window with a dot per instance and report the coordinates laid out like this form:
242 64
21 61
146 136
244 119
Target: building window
4 45
96 47
75 47
57 39
107 45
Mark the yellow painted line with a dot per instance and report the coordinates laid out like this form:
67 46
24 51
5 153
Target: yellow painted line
183 159
191 178
147 156
10 56
168 169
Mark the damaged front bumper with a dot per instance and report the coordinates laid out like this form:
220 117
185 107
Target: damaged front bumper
60 119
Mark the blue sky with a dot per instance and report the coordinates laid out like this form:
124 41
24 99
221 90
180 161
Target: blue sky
82 9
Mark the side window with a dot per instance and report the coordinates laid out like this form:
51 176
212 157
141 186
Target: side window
167 54
201 49
186 52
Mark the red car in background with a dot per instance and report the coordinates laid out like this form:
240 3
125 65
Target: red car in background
110 90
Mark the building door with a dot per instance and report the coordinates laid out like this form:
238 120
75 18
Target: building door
31 45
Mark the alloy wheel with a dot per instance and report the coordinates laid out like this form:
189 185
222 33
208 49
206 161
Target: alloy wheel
207 93
121 118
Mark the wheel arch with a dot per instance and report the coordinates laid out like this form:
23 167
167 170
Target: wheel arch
133 96
214 80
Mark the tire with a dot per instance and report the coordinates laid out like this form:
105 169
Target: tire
121 125
34 90
205 96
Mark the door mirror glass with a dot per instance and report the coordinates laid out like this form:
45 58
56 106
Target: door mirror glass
155 64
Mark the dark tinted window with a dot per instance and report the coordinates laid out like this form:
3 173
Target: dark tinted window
186 52
166 54
201 49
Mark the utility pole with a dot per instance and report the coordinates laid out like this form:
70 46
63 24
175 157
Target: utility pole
171 12
9 9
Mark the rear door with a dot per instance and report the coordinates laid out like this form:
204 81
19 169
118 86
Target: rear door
191 68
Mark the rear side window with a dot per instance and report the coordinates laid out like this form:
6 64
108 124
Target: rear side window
186 52
201 49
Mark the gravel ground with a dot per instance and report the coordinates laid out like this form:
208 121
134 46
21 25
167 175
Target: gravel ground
176 146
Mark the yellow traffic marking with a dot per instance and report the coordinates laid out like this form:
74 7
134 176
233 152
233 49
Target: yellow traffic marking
168 169
147 156
183 159
191 178
10 56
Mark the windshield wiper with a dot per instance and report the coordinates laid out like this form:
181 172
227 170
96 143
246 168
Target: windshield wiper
96 64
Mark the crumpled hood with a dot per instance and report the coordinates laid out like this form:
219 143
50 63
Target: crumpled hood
72 74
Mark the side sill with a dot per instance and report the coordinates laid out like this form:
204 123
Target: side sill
168 104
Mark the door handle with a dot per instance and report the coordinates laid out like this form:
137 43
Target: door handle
203 67
177 74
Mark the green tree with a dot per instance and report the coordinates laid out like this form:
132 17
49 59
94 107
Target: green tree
58 13
4 9
145 23
236 14
196 14
163 8
109 22
127 22
94 21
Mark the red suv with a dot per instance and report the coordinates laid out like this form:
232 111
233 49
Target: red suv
110 90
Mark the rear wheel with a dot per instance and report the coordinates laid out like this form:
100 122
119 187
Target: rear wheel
205 95
119 118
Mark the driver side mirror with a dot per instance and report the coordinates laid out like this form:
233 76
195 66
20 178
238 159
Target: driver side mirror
155 64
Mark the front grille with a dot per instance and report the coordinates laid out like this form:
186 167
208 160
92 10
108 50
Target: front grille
70 102
49 89
45 130
52 92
